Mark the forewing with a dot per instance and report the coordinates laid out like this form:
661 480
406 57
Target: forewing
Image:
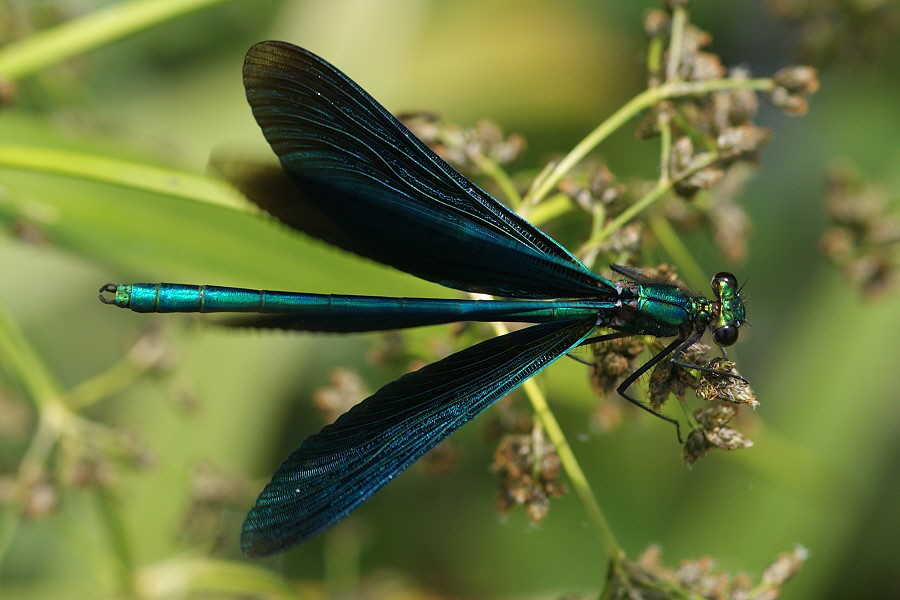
370 186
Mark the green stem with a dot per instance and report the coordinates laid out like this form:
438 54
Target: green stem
90 391
111 517
676 37
633 107
500 176
569 463
187 577
654 59
658 191
114 171
573 470
30 470
553 207
665 145
531 202
22 362
44 48
592 140
688 268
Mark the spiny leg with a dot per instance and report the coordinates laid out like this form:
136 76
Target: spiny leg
596 340
679 352
621 389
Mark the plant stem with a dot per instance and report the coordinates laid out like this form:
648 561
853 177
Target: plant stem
500 177
676 41
573 469
688 268
23 363
120 548
658 191
139 176
646 99
569 463
90 391
71 38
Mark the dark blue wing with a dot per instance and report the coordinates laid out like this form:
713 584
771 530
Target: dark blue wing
340 467
362 181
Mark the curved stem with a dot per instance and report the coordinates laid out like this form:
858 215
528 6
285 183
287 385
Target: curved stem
658 191
630 109
573 469
493 170
71 38
676 42
570 463
688 268
114 171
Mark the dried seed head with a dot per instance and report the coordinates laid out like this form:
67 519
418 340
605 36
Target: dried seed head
864 236
657 23
742 142
528 468
717 386
713 432
785 566
648 578
733 107
345 390
793 85
613 360
461 146
668 378
799 79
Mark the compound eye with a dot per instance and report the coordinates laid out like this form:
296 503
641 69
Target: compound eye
726 336
725 277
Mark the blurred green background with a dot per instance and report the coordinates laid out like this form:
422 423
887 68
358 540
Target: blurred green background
823 361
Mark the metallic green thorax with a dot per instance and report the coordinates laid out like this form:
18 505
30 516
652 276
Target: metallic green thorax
666 310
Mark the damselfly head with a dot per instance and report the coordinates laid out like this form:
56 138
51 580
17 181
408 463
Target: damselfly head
723 279
730 309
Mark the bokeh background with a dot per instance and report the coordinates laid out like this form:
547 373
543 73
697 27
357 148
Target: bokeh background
212 424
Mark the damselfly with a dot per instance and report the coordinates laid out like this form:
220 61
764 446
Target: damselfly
353 175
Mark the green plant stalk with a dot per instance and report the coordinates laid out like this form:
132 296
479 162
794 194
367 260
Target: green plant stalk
500 176
190 577
576 475
56 421
138 176
120 548
646 99
676 43
42 443
665 145
654 57
598 217
569 462
659 190
22 363
688 268
90 391
44 48
530 203
553 207
661 228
